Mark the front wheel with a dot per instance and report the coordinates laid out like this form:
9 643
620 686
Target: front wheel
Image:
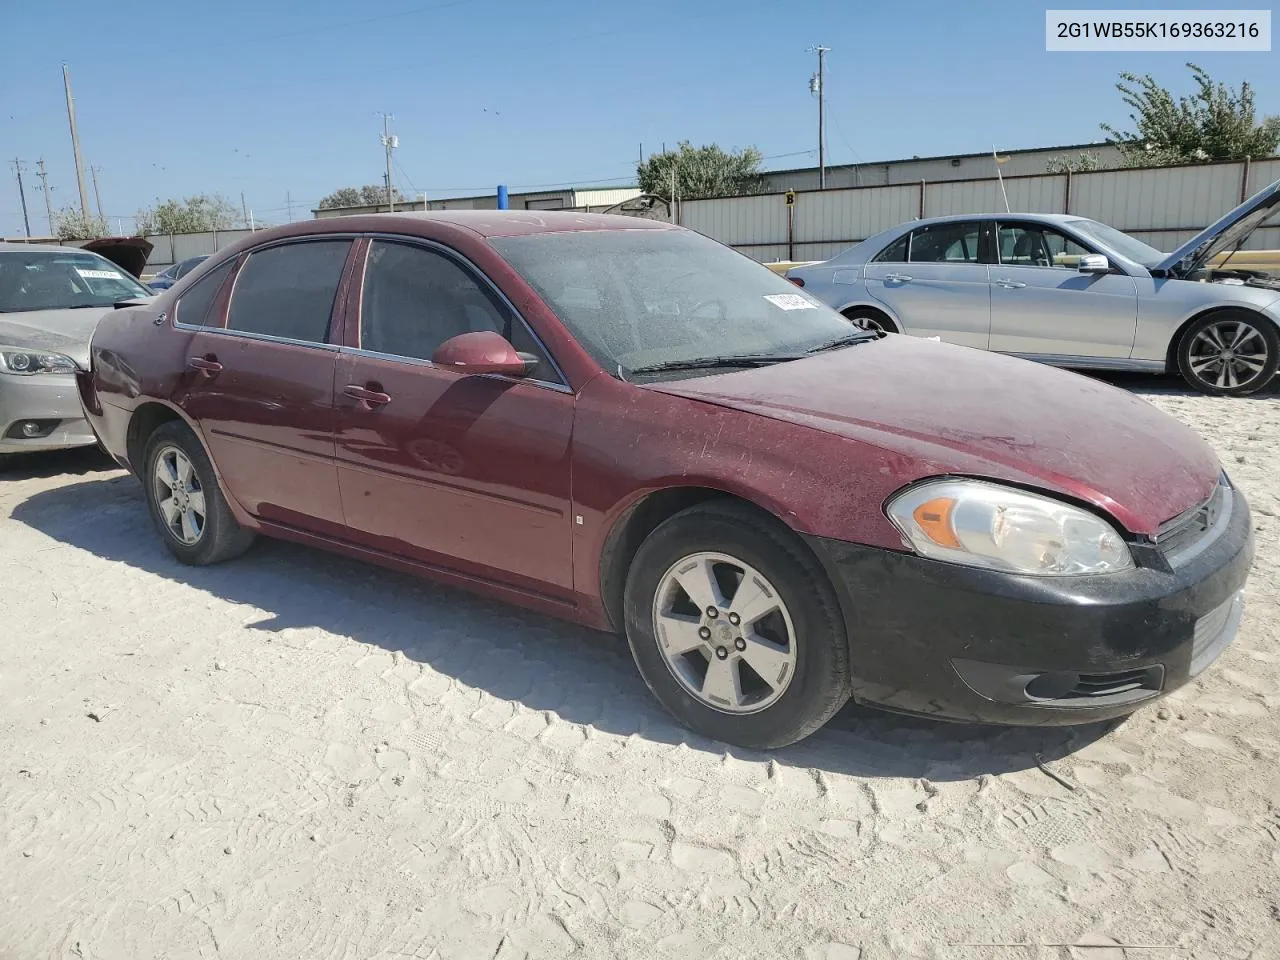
735 627
1231 353
188 508
870 320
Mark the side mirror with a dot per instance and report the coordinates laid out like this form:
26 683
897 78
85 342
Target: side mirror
483 352
1094 263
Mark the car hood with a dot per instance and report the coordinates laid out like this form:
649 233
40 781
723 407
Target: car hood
55 331
953 410
1228 232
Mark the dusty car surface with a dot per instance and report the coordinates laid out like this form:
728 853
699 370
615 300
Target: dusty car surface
51 298
628 425
1071 292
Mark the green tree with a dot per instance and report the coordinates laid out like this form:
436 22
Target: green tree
70 224
189 215
1213 123
370 195
708 171
1082 162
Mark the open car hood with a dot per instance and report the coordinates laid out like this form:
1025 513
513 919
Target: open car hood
127 253
1227 233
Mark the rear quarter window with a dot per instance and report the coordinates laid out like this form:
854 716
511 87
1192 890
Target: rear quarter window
195 305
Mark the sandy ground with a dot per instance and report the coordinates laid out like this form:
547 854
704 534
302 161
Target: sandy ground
297 756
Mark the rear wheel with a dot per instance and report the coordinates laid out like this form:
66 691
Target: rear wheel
867 319
186 504
735 628
1230 353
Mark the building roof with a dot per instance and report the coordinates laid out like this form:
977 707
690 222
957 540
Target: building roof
946 156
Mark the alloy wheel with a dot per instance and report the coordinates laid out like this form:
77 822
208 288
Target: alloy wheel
724 632
1228 354
179 495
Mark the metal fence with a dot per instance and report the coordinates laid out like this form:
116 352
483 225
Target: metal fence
1163 206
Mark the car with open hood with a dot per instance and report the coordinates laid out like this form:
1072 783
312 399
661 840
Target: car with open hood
1071 292
623 423
51 298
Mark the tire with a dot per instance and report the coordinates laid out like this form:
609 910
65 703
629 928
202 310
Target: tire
770 714
1253 346
219 537
868 319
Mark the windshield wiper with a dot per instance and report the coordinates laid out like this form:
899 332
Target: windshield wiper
862 336
728 360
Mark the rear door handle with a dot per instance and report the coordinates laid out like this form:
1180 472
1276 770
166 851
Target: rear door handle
897 278
373 398
206 365
1011 284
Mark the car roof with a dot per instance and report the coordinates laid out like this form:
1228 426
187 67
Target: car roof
40 248
964 217
485 223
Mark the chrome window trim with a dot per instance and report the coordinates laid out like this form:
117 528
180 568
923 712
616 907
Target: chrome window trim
417 362
265 337
468 265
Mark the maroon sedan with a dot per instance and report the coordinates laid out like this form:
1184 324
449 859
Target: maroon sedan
628 425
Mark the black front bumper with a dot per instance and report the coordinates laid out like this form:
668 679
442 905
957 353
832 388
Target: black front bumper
957 643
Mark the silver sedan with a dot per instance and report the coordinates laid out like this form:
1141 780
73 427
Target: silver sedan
1069 291
51 299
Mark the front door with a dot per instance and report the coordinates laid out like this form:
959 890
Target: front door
1042 306
260 387
936 283
466 472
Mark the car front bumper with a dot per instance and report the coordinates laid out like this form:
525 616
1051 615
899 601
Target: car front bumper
958 643
51 402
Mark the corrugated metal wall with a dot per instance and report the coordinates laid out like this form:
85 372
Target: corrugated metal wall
1163 206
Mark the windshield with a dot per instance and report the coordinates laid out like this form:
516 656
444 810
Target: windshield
59 281
1128 247
639 298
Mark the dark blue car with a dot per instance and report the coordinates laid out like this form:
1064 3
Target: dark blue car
167 277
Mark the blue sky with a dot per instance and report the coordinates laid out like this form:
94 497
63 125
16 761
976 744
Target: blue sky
279 98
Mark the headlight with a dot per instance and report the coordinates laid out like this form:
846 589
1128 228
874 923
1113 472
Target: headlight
988 525
28 362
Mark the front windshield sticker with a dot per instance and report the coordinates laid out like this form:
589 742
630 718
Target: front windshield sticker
790 301
98 274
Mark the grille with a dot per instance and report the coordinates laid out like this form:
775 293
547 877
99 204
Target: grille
1092 686
1186 535
1214 632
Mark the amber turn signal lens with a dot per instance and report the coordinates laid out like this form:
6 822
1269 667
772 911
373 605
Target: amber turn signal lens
933 517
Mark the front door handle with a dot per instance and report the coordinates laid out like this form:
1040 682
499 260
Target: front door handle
371 398
208 366
896 278
1009 284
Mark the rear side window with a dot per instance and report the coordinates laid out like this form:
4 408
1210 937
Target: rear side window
945 243
194 306
895 252
288 291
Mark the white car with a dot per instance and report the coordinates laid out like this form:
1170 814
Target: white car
1068 291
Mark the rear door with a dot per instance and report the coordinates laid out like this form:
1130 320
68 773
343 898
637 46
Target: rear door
462 471
1043 307
936 283
260 383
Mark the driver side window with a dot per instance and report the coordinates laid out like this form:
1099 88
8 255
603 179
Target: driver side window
1033 245
414 299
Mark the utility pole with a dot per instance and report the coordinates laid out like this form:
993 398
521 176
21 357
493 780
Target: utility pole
288 204
97 197
389 143
17 168
75 141
817 85
44 188
244 209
